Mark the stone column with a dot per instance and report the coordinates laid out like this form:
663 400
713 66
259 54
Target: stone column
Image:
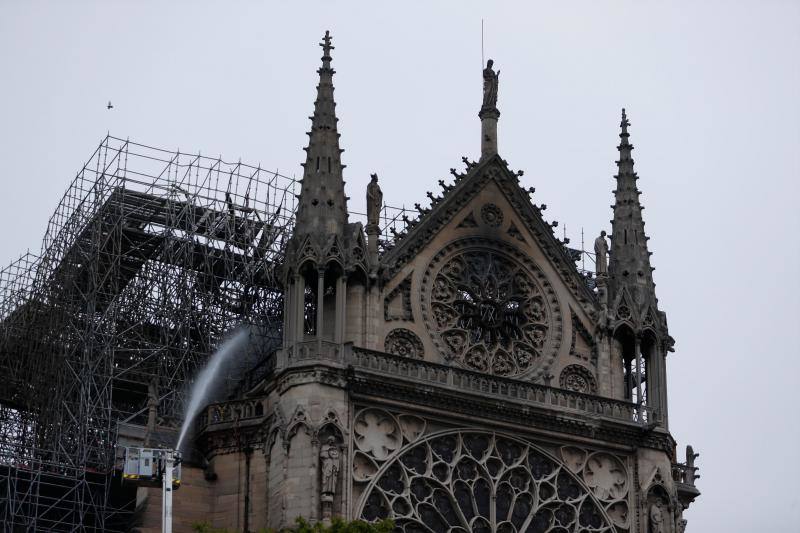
603 342
638 354
372 303
373 234
653 375
320 307
355 313
298 309
661 356
287 314
488 132
604 366
314 473
341 299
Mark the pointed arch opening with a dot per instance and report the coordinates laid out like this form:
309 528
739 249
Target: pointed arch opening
652 369
627 346
323 289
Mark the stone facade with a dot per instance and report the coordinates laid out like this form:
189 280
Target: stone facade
468 378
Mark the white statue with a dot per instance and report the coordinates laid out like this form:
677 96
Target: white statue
329 468
680 522
490 82
656 519
374 201
601 254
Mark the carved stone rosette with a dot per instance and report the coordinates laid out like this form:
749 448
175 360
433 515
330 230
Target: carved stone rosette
578 378
489 308
491 215
404 342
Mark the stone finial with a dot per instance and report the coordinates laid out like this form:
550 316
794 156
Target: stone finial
326 48
624 124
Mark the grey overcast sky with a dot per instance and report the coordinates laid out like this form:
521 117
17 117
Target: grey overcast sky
712 90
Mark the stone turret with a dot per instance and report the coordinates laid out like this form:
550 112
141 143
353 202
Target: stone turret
325 289
639 328
324 249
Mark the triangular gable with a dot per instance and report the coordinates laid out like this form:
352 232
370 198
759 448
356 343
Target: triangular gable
650 318
463 192
624 309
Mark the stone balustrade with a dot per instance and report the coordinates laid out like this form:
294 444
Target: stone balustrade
445 376
315 350
232 411
499 387
684 474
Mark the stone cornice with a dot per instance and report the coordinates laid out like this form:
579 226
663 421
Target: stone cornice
531 418
384 377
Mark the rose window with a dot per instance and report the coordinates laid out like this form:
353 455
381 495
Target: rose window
488 312
479 482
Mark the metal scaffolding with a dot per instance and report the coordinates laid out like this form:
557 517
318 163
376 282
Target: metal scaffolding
149 260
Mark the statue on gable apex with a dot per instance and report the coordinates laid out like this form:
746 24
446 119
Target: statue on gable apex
490 82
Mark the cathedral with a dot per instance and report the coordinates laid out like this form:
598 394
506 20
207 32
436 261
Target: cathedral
465 377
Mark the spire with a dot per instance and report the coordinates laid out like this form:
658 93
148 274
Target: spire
629 266
322 204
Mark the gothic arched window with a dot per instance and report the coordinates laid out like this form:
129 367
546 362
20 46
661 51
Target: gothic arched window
481 482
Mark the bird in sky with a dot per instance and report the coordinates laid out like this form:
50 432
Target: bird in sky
109 106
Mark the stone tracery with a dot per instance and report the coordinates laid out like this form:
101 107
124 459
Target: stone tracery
377 434
478 481
490 311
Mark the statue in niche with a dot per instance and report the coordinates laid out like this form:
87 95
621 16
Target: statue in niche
656 519
330 458
680 522
374 201
490 83
601 254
